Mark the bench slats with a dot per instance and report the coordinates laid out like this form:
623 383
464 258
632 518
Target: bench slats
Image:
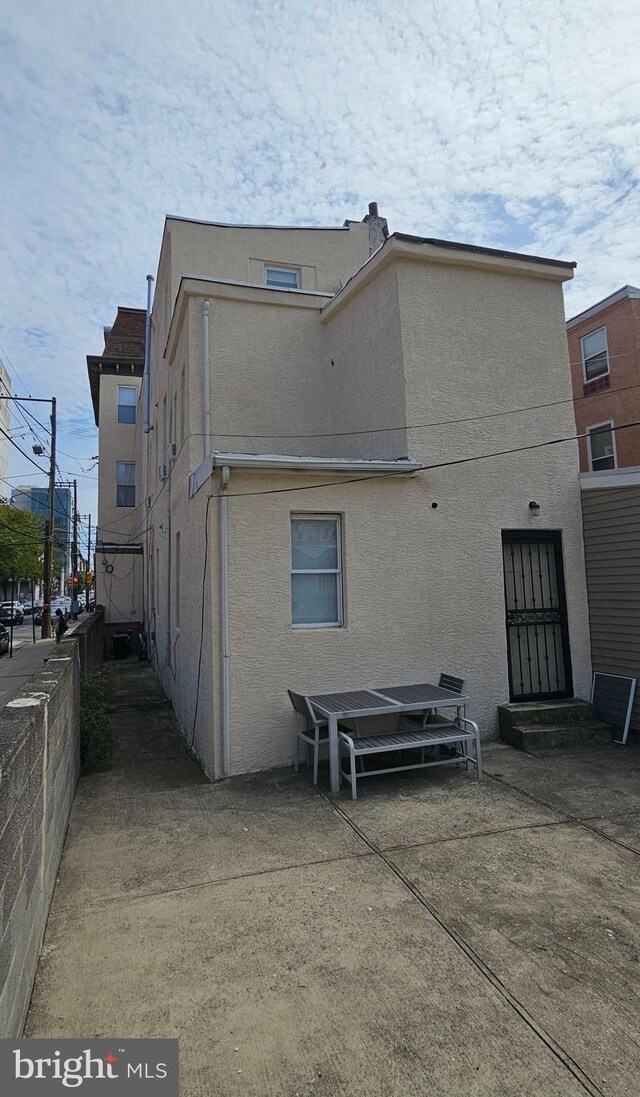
406 740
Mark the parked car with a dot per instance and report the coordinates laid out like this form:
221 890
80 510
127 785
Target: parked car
4 640
11 613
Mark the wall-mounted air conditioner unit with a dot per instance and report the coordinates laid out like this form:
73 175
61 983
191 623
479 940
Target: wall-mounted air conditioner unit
608 451
162 472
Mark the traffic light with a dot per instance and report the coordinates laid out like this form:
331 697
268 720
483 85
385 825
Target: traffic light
75 580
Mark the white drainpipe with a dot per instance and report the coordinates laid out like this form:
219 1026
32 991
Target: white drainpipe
224 620
205 373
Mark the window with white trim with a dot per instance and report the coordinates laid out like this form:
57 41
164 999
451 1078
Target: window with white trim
125 483
316 571
602 450
282 277
595 357
127 400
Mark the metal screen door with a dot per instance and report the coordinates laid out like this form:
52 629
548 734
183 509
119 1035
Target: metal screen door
536 616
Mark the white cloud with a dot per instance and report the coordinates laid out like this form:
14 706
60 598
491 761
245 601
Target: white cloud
511 124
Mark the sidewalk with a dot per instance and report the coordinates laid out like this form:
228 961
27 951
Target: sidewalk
439 937
27 659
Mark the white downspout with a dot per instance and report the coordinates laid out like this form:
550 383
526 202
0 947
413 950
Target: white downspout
224 620
205 376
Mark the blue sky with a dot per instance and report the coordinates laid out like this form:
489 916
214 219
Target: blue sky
507 123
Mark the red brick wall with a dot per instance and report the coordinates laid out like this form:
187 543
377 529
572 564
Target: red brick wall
616 397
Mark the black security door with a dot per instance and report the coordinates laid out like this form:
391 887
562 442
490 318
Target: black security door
536 616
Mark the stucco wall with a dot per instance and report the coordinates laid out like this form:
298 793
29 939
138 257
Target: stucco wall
328 257
365 382
120 590
423 343
423 591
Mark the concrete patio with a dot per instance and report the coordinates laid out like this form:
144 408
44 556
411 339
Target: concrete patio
437 937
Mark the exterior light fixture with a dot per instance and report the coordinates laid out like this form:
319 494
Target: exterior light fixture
534 508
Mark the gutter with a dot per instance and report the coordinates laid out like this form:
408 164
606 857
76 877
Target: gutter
278 462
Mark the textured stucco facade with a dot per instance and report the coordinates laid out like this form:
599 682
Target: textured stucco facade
445 355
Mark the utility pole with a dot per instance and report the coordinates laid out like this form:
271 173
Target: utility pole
48 531
74 555
87 585
49 523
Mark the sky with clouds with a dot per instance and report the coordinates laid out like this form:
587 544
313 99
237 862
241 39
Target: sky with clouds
507 123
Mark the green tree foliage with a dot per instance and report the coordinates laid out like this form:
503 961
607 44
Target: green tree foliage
21 544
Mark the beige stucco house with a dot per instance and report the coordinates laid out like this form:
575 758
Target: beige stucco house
346 430
115 379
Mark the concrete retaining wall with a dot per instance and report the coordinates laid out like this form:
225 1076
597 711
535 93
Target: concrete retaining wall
90 639
39 769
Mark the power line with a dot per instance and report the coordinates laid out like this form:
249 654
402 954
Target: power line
424 426
428 468
25 455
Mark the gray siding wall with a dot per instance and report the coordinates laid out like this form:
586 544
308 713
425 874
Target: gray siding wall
611 519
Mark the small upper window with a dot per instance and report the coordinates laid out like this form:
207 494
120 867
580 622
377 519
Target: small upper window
282 277
602 454
594 354
127 400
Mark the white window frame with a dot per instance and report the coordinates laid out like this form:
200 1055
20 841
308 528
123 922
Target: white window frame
289 270
130 388
300 516
590 380
596 427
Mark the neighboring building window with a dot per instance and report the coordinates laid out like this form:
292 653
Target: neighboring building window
602 453
125 483
127 400
316 571
282 277
594 354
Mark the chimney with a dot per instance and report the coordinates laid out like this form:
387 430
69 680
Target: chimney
378 228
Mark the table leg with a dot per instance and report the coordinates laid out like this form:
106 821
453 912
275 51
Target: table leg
334 754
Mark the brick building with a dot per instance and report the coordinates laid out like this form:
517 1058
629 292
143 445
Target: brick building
604 351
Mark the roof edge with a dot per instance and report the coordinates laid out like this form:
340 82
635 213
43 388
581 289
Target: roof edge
282 462
624 293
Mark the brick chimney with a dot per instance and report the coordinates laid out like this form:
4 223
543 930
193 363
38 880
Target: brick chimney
378 228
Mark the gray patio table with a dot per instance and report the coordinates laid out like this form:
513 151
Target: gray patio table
356 704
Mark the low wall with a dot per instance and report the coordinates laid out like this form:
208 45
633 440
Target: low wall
39 770
90 639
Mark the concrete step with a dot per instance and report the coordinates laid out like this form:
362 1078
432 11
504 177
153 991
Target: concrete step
537 737
544 712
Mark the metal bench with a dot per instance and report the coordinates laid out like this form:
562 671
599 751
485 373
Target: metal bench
460 733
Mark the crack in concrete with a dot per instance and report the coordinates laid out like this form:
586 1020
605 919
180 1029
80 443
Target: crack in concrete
546 1038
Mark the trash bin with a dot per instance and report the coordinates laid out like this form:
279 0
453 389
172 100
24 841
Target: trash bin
121 645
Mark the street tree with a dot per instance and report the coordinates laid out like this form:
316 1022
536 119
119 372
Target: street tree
21 544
